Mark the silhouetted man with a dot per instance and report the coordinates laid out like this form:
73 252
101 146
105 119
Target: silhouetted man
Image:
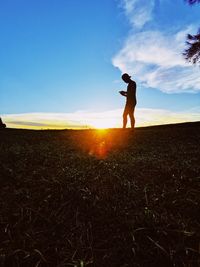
2 125
131 102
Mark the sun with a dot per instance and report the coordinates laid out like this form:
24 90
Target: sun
103 123
99 125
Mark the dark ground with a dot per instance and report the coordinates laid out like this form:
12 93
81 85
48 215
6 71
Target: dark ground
100 198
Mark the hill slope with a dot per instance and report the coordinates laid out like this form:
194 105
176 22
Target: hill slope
100 198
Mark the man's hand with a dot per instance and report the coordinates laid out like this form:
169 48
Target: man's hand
123 93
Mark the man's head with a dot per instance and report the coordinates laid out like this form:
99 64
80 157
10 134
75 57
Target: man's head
126 78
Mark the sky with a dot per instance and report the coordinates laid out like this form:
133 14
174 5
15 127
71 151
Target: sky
62 60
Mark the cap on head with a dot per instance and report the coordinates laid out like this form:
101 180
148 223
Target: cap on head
126 77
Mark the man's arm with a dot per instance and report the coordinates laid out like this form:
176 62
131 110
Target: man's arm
124 93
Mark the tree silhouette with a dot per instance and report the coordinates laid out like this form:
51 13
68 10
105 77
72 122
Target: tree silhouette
191 2
2 125
192 53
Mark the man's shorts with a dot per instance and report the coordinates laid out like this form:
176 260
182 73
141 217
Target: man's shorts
129 110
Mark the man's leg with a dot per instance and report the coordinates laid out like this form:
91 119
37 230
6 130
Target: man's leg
132 118
125 114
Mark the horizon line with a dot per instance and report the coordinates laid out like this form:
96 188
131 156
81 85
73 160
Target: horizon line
102 129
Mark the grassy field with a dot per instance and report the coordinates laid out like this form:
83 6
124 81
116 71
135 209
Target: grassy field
100 198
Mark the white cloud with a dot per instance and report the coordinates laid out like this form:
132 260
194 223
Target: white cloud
149 47
139 12
146 117
107 119
155 58
175 80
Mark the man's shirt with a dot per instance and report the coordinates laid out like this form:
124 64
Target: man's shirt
131 94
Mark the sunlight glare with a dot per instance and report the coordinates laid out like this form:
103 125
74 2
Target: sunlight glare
103 123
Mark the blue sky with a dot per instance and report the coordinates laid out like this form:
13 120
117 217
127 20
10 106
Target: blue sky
66 57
